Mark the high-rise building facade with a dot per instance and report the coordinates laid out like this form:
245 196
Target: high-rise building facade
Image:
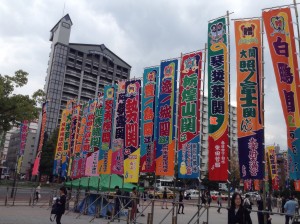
204 136
13 149
77 71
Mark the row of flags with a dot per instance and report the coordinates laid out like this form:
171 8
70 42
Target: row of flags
139 125
131 127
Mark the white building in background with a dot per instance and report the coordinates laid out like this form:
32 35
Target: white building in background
204 136
13 147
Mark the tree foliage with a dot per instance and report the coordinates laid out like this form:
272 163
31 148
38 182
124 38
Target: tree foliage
47 157
15 108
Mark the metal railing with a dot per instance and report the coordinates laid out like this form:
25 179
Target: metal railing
128 211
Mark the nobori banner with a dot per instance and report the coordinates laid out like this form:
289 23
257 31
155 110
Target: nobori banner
148 119
249 103
117 163
189 116
165 122
280 34
60 143
218 100
36 164
132 149
23 136
105 152
66 147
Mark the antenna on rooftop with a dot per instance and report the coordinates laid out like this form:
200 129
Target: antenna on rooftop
64 9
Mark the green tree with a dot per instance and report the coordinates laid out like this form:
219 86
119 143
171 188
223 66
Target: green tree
47 156
16 107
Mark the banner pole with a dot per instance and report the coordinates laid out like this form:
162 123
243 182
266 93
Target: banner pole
174 212
203 62
297 22
229 111
263 115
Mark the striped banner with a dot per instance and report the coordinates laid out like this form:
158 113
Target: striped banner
280 34
66 147
104 164
150 77
189 116
218 101
272 160
24 128
36 165
250 130
132 149
165 122
117 163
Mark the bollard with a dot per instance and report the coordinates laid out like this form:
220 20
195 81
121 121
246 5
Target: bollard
30 198
149 218
152 211
174 219
6 198
129 216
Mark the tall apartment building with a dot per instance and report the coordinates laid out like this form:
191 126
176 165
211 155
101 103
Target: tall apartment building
204 136
77 71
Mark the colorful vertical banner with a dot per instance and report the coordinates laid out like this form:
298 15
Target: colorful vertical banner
250 130
257 185
132 150
297 185
60 144
75 125
117 163
272 159
248 185
78 154
105 154
36 164
189 116
166 117
281 38
66 145
148 107
91 165
24 128
218 101
96 138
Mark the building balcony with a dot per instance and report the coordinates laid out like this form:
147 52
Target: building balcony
72 81
70 72
71 55
89 86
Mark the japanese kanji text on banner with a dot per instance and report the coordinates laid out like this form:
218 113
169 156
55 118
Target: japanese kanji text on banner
218 101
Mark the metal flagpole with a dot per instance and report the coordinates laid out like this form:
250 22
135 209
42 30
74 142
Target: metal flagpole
229 108
297 23
201 110
174 212
263 115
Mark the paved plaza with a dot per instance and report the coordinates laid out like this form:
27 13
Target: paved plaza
21 214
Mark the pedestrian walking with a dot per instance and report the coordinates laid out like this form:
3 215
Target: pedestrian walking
165 197
133 204
290 209
219 201
181 205
117 202
279 204
260 207
203 198
37 195
208 196
61 201
237 214
143 200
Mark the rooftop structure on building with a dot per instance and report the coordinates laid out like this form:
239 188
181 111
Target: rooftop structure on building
77 71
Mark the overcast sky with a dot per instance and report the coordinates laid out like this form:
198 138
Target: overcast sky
142 32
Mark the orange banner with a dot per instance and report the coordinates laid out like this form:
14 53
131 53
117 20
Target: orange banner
249 103
280 34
